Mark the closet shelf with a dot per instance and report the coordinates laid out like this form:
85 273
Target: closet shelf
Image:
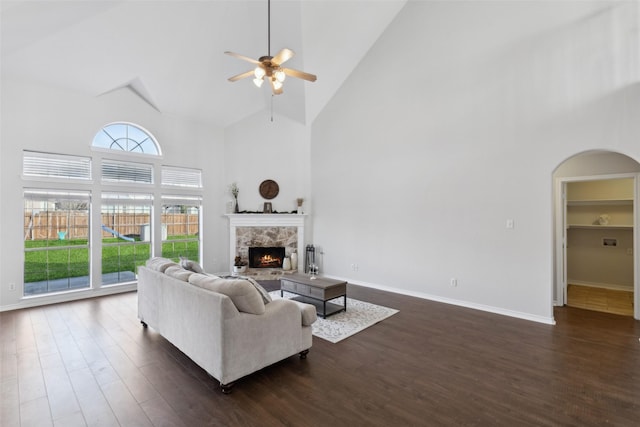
601 202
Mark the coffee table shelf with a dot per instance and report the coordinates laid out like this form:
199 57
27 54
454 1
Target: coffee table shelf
317 291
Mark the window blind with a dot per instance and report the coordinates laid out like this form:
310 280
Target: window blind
47 165
173 200
181 177
114 171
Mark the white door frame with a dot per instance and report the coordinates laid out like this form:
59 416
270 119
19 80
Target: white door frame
561 231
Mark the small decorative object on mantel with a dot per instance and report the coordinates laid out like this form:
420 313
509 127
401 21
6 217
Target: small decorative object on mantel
267 208
286 264
300 200
239 266
294 260
234 190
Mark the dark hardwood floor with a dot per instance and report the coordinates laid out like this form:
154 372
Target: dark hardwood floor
91 363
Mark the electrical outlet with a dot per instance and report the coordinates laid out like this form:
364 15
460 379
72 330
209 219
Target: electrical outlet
354 267
454 282
12 286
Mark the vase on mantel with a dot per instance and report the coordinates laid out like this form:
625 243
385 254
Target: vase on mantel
294 261
235 209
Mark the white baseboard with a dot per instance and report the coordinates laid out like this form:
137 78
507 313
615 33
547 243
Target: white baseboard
460 303
36 301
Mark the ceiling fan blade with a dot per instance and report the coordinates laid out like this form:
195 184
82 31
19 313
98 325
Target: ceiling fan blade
283 56
245 58
299 74
241 76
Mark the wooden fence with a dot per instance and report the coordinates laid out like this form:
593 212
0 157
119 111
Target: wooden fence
70 225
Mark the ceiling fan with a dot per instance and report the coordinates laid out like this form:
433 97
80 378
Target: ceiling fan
270 67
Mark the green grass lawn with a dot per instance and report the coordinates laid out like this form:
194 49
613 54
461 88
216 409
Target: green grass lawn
62 259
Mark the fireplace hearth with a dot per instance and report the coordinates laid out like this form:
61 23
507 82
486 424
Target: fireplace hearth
266 257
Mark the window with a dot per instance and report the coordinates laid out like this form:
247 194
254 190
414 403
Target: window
181 177
56 241
126 137
102 209
47 165
126 235
181 227
115 171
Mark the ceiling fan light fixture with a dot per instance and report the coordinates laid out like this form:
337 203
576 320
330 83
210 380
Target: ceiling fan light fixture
280 75
270 67
259 72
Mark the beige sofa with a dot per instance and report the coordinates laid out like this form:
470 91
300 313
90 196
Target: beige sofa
222 324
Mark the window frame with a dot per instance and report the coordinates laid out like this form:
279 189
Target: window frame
51 250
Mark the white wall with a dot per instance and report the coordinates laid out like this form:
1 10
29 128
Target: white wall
453 124
42 118
257 149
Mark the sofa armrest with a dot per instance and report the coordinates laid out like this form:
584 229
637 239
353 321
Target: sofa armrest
308 312
253 341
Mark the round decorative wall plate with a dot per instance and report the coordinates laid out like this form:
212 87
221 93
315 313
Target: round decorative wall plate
269 189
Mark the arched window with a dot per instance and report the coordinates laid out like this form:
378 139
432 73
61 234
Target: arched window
126 137
63 238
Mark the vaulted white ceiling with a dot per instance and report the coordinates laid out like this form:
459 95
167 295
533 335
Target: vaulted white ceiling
171 53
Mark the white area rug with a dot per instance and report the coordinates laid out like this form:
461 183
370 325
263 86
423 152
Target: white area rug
359 315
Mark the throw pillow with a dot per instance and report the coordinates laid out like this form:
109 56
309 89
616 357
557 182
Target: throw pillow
160 264
266 298
190 265
242 293
179 273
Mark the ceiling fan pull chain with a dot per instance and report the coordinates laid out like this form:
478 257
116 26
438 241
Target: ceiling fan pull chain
271 107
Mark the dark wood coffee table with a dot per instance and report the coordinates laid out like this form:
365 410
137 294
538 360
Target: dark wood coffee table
316 291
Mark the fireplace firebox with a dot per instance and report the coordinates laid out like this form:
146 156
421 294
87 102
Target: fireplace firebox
266 257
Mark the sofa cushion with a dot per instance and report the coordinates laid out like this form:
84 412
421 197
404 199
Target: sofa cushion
190 265
160 264
244 295
179 273
266 298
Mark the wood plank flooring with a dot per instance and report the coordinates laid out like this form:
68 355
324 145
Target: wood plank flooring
90 363
600 299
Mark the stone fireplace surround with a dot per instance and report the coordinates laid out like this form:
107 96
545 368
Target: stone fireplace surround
285 230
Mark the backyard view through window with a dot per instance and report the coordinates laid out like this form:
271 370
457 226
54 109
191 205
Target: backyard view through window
74 208
181 227
56 241
126 235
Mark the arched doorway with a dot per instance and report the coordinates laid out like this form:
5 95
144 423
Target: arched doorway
596 232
